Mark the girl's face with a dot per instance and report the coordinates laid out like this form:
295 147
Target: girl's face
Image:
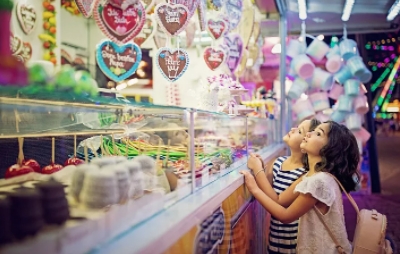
295 136
314 141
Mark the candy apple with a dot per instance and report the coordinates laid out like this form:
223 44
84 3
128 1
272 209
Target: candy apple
73 161
18 170
52 168
33 164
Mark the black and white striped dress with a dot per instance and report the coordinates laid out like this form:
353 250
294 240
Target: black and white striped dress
283 237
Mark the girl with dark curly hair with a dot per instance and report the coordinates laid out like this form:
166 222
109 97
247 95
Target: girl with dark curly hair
332 150
281 174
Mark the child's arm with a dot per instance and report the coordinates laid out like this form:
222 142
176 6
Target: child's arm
302 203
285 198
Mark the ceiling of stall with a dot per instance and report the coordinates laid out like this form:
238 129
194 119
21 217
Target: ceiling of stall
324 17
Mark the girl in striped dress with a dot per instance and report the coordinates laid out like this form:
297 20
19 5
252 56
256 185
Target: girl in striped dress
285 171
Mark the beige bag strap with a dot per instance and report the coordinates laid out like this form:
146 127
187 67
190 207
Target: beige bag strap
338 246
353 203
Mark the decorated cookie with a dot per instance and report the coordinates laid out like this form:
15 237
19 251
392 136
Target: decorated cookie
235 45
118 62
26 17
191 5
217 4
217 28
172 62
147 32
234 10
15 44
202 14
119 20
26 52
173 19
214 57
85 7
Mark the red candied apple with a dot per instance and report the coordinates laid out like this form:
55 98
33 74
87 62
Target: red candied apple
73 161
18 170
33 164
52 168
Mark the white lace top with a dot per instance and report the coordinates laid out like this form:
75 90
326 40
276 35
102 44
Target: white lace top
312 235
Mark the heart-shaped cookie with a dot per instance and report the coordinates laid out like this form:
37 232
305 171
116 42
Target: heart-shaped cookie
191 5
85 7
172 63
26 51
118 62
217 28
173 19
119 22
214 57
26 15
235 45
147 32
15 44
234 10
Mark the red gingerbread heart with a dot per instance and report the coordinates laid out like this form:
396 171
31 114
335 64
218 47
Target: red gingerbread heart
173 19
85 7
119 22
214 58
217 28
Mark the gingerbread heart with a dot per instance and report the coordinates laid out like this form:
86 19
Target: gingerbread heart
173 19
235 45
85 7
26 15
26 51
191 5
15 44
172 63
147 32
217 28
118 62
214 57
234 9
119 21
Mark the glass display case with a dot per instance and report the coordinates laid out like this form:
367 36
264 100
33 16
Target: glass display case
121 162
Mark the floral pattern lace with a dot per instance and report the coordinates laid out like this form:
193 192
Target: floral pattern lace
313 238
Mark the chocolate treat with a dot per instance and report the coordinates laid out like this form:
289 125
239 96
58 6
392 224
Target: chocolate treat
54 201
5 220
26 212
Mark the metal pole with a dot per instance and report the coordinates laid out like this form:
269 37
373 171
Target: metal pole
191 149
372 151
282 74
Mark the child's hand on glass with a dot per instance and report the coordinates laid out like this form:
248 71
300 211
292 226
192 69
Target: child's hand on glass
254 163
249 181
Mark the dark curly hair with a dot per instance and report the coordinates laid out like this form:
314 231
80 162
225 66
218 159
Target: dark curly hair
313 124
340 156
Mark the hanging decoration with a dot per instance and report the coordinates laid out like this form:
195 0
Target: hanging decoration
20 49
217 28
234 9
173 94
214 57
26 15
172 63
202 14
246 24
119 21
118 62
173 19
85 7
49 36
235 45
191 5
148 31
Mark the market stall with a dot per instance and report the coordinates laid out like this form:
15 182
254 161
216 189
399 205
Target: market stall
89 169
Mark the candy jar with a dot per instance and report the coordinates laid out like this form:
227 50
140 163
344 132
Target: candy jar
12 71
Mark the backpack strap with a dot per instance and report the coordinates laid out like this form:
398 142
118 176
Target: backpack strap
338 246
353 203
